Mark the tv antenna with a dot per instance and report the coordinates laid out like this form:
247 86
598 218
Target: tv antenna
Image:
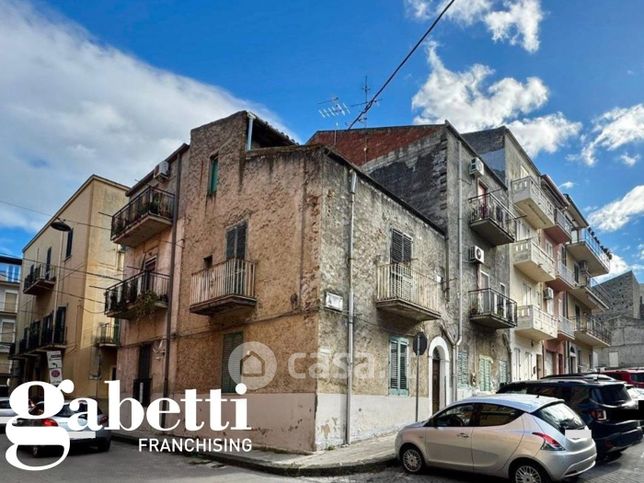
333 107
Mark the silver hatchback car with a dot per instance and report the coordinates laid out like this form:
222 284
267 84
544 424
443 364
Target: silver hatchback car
517 436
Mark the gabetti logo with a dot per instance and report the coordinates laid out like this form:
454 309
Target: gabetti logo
54 401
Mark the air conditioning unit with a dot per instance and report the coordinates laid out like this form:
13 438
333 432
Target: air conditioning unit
477 254
583 266
548 294
476 167
162 170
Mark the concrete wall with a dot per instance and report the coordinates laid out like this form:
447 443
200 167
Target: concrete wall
627 340
624 296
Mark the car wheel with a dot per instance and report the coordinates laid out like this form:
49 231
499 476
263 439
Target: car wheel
412 459
36 451
104 445
528 472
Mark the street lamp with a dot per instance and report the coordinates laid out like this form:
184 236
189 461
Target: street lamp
60 225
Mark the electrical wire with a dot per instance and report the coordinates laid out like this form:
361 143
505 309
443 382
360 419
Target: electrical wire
372 101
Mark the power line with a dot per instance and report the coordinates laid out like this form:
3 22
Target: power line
74 270
372 101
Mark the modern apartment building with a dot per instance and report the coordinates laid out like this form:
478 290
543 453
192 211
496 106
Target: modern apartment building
554 259
9 288
65 267
296 253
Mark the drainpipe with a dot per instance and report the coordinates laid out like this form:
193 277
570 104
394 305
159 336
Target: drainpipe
352 191
249 135
168 315
459 336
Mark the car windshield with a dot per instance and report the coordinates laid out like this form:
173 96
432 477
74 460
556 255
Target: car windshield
560 417
613 394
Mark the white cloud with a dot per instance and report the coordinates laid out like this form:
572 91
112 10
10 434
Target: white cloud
618 213
613 130
516 22
519 24
617 266
471 102
468 101
70 107
546 133
567 185
629 160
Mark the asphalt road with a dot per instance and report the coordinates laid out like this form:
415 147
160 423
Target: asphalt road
124 463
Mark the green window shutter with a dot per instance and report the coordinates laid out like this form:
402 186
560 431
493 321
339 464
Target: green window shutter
463 371
393 364
402 356
231 372
398 366
503 372
214 175
485 373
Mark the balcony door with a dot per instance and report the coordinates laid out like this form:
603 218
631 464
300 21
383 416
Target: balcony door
235 257
400 253
486 299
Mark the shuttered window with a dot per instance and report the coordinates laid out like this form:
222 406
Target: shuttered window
214 175
485 373
70 241
398 366
503 372
236 242
400 247
231 370
463 371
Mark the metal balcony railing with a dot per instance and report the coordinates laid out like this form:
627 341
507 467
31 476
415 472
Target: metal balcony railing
562 220
39 272
232 277
151 201
489 207
490 302
399 281
593 244
108 334
594 327
121 296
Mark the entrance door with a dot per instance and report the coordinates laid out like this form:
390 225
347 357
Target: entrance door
436 381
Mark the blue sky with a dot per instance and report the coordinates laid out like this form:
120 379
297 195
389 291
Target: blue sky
109 87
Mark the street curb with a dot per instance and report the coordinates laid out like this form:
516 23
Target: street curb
364 466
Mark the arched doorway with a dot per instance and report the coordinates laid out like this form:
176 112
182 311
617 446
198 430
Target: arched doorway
439 374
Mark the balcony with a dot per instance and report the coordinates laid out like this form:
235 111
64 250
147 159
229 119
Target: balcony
592 332
52 336
534 323
407 293
492 309
564 278
533 203
590 294
566 328
108 335
533 261
147 214
561 231
40 279
491 219
138 296
586 247
226 287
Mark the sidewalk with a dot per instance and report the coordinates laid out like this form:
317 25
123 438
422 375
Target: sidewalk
364 456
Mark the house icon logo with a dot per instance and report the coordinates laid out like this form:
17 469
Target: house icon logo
252 363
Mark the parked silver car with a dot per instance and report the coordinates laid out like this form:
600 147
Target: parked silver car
516 436
6 413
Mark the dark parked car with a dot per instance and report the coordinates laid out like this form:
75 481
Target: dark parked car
596 401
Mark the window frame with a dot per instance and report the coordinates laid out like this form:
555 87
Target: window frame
69 244
400 342
226 377
213 175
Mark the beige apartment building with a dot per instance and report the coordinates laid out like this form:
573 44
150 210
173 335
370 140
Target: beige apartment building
66 266
9 287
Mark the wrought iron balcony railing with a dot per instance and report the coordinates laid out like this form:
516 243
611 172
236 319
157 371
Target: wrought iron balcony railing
223 286
153 205
489 304
150 288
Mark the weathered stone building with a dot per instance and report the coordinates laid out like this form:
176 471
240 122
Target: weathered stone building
625 321
271 241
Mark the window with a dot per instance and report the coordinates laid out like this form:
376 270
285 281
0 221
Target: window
463 372
401 245
7 331
398 366
484 280
214 175
503 372
236 242
485 373
495 415
48 264
517 363
10 303
457 416
560 417
70 240
231 369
